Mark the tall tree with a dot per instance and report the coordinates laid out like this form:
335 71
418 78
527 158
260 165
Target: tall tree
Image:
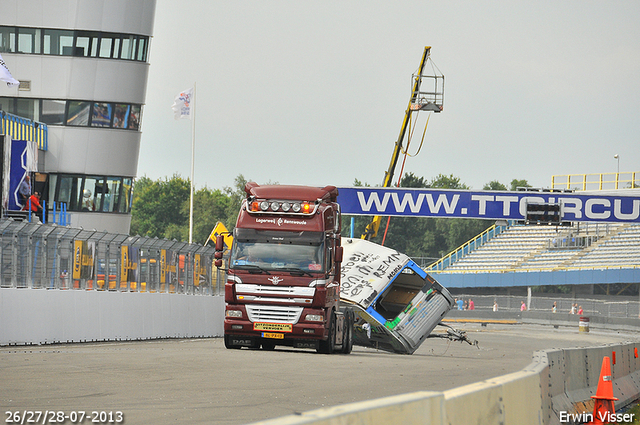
161 208
157 205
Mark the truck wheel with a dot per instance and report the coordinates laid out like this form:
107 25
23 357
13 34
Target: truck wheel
328 346
347 343
228 345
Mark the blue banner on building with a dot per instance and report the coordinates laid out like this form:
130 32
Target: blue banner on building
17 173
498 205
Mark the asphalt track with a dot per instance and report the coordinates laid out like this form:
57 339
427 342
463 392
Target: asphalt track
198 381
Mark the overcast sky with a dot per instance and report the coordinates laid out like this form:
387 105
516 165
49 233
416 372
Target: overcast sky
314 92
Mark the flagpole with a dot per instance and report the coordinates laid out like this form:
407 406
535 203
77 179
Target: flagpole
193 150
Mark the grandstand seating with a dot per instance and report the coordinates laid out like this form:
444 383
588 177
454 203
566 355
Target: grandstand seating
538 248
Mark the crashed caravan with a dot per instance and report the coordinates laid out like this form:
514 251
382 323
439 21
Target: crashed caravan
396 303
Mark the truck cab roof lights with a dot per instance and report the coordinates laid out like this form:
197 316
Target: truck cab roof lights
277 206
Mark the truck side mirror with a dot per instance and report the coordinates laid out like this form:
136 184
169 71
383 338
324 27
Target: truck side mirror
219 243
338 255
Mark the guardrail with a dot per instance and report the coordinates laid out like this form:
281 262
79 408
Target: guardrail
599 181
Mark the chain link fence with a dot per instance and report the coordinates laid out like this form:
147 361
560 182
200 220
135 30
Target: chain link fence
40 256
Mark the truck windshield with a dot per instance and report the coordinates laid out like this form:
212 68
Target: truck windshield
273 251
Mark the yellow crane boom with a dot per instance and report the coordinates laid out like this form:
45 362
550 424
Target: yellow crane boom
419 101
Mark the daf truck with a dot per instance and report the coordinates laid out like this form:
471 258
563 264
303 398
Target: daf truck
283 275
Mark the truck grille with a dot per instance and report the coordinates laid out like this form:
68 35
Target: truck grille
303 291
273 314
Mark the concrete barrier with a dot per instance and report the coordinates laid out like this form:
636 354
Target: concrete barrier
41 316
423 407
556 381
496 401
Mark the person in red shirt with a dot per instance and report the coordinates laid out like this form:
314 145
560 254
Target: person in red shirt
34 200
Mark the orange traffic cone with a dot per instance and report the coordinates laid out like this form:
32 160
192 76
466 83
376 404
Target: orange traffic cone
604 408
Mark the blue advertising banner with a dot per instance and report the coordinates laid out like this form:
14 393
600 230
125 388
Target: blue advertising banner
498 205
17 173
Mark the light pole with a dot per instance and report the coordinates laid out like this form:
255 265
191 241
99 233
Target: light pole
617 157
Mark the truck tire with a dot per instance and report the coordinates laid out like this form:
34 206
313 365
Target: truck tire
347 342
328 346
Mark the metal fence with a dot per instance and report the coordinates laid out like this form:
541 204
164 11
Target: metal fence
620 307
39 256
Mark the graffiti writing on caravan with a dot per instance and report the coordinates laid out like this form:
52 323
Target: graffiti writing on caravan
280 221
623 207
365 268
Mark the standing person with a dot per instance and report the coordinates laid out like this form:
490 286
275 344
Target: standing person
523 306
472 306
460 304
495 305
36 208
25 190
555 307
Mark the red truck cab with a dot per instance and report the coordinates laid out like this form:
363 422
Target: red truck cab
283 279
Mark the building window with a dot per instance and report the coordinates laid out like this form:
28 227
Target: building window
52 112
6 104
134 118
101 116
75 113
125 196
27 108
127 47
50 41
29 40
142 49
112 194
58 42
83 45
106 47
67 191
78 114
7 39
91 193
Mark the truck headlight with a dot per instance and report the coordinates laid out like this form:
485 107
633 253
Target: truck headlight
234 313
314 318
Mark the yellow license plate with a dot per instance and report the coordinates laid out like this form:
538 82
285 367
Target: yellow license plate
272 335
273 327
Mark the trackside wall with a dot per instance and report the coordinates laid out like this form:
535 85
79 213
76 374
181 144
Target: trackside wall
556 381
40 316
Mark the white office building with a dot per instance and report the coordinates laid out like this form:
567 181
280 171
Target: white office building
82 67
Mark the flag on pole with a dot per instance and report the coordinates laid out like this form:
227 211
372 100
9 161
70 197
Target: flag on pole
5 74
182 104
